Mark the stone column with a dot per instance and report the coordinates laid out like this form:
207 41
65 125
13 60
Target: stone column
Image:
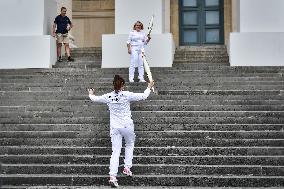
26 33
258 39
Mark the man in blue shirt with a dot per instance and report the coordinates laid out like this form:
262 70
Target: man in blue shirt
62 24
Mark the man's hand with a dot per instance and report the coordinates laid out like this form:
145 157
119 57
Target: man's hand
151 84
129 50
68 27
91 91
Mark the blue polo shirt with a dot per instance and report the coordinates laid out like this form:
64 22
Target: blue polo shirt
62 22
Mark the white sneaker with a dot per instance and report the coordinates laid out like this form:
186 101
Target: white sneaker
113 182
142 81
131 80
127 172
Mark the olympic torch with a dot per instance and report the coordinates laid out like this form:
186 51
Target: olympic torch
146 65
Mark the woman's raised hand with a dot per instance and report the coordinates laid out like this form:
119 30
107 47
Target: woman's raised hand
91 91
151 84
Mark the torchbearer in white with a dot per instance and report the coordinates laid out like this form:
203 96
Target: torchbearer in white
136 41
121 123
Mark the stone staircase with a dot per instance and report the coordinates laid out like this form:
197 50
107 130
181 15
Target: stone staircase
202 54
209 125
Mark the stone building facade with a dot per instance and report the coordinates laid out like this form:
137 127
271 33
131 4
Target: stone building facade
93 18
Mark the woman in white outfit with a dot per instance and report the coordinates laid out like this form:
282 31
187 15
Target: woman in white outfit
121 123
136 41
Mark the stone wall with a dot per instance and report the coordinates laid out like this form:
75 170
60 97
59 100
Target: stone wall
91 19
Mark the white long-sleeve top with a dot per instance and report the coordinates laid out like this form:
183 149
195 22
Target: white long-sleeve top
119 106
137 38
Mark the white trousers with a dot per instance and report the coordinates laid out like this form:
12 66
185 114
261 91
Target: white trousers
136 56
116 139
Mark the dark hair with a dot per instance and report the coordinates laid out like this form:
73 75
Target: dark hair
118 82
62 8
138 22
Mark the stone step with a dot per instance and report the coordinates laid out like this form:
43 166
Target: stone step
181 67
210 54
71 82
168 101
207 58
153 160
147 134
162 94
145 180
201 60
143 127
183 78
197 55
196 83
95 111
202 48
141 120
159 72
83 88
145 142
242 151
176 67
141 107
160 83
79 64
171 80
213 66
158 169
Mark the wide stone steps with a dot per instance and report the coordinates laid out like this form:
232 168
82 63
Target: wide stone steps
152 120
78 82
184 67
180 67
208 124
83 88
144 142
147 134
254 161
143 127
182 106
144 180
202 59
241 151
158 169
162 94
149 114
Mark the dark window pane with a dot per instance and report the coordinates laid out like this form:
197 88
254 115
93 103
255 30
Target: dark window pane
190 36
190 18
190 3
209 3
212 35
212 17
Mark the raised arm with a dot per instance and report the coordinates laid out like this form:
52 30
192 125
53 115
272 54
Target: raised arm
141 96
93 97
